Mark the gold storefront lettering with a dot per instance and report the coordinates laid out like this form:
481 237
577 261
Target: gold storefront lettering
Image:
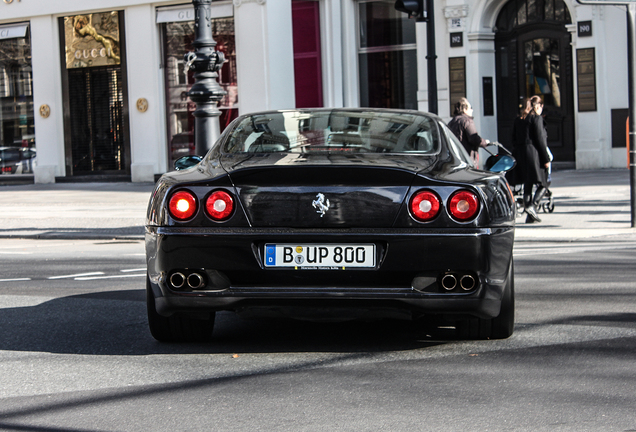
11 1
92 53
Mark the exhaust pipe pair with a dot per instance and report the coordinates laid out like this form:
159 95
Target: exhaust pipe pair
466 282
194 280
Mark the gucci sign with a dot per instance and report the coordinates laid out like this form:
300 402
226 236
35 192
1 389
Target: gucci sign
11 1
93 53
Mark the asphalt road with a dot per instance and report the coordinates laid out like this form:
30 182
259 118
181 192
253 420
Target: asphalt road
76 355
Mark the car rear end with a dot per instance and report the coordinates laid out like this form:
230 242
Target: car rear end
406 235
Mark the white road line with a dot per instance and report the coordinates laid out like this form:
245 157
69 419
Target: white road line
569 249
76 275
133 270
15 253
109 277
15 280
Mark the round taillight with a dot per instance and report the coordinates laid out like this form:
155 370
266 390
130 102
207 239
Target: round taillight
425 205
464 205
219 205
182 205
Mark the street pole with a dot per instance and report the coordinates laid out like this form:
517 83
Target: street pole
206 91
431 57
631 57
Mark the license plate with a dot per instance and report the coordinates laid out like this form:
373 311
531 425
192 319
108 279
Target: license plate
320 256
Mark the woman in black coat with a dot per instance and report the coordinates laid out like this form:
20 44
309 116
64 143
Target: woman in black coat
530 142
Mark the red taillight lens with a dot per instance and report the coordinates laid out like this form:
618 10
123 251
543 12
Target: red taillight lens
425 205
464 205
182 205
219 205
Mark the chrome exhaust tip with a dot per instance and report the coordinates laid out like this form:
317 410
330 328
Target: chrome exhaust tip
449 282
467 282
195 280
177 280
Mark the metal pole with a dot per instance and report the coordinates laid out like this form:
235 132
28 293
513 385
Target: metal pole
206 91
431 57
631 57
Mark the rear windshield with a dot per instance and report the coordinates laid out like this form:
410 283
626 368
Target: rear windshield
335 131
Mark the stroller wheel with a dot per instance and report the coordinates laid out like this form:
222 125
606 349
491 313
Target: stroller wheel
549 206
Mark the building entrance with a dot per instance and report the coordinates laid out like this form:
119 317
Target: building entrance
95 120
534 57
97 132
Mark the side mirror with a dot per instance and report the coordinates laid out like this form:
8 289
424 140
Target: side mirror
186 162
500 163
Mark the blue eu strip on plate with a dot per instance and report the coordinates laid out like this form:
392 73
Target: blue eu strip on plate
270 255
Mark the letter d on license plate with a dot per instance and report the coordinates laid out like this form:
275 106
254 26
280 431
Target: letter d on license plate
319 256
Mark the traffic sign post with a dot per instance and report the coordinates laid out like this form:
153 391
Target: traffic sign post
631 70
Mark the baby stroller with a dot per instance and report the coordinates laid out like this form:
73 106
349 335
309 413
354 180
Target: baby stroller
546 204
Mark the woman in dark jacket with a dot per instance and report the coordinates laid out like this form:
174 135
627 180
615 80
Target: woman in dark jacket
463 126
530 141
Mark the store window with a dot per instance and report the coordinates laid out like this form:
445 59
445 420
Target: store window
95 116
178 37
387 56
17 131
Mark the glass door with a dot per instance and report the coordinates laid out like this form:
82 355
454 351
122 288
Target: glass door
545 68
95 114
542 66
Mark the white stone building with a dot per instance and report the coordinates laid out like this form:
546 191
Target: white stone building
97 88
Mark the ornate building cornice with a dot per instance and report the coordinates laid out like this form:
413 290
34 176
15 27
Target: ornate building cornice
238 3
455 17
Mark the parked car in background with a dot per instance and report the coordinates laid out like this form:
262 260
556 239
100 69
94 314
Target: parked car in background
17 160
332 213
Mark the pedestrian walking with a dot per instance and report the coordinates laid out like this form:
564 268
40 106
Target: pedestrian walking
530 143
463 126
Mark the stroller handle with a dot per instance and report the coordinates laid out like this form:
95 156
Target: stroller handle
500 146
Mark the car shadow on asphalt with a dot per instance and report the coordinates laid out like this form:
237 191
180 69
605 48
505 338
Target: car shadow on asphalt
115 323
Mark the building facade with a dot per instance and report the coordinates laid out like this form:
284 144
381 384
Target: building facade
100 89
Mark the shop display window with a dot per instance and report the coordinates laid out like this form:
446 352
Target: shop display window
178 38
17 131
387 58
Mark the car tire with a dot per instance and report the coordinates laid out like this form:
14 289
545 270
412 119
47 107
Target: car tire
176 328
500 327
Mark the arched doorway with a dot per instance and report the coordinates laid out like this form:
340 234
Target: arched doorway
534 57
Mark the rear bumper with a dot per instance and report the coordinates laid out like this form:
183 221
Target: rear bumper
410 265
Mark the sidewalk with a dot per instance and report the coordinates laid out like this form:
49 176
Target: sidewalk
74 210
589 205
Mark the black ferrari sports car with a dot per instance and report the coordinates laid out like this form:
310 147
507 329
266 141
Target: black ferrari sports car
333 214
